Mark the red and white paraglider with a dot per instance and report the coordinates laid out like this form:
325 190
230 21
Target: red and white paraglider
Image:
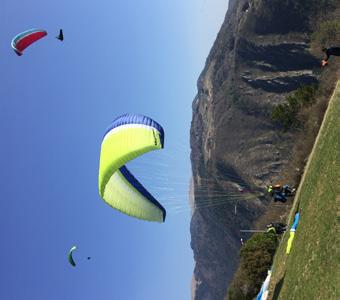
24 39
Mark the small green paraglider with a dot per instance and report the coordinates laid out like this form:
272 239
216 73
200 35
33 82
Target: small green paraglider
70 256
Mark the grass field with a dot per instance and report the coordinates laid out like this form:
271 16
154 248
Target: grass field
312 269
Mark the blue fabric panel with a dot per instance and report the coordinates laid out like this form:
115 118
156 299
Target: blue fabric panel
136 119
296 221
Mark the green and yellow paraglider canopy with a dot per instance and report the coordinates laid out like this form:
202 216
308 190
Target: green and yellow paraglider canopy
128 137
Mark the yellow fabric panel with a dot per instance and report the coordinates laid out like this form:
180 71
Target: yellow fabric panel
123 145
290 241
122 196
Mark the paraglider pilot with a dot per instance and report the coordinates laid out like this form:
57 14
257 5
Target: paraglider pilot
280 193
335 51
61 35
277 228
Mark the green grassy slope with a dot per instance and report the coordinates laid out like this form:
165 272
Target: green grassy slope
311 270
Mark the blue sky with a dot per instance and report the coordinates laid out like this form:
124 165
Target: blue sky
55 104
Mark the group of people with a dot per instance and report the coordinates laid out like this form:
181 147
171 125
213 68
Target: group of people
280 192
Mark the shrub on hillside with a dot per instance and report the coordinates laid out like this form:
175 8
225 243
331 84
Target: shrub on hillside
327 35
286 114
256 257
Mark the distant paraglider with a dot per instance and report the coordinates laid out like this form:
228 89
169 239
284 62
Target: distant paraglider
61 35
21 41
70 256
128 137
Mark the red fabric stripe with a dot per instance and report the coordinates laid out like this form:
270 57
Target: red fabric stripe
29 39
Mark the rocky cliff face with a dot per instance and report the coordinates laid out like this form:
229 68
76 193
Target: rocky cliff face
260 55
